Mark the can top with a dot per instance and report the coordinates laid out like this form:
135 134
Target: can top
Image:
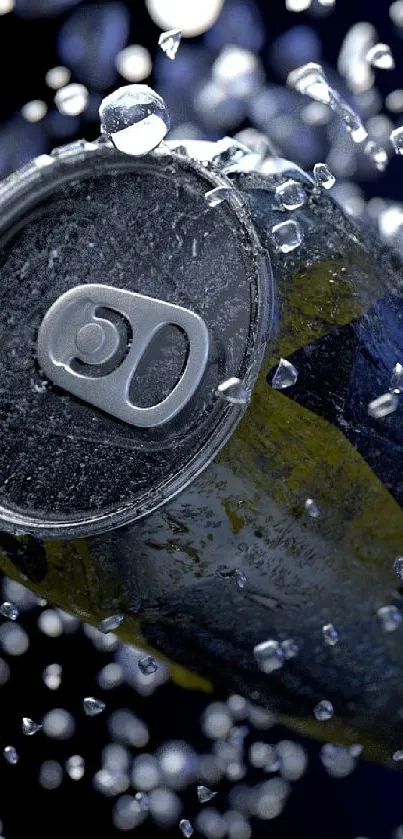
127 300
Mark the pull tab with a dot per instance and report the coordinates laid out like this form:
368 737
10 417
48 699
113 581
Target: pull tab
95 358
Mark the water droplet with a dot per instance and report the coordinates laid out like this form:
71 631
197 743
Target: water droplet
287 235
323 710
11 755
52 676
110 623
310 80
291 195
396 382
396 139
134 63
57 77
355 750
214 197
34 111
205 794
312 508
398 755
285 376
378 155
398 567
233 391
269 656
330 635
135 118
186 828
240 578
30 727
75 767
93 706
169 42
380 56
147 665
6 6
9 610
72 99
323 176
58 724
389 618
383 405
290 648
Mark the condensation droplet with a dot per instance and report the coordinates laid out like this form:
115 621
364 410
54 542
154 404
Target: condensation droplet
287 236
214 197
9 610
110 623
92 706
291 195
72 99
389 618
396 382
323 710
205 794
285 376
148 665
233 391
29 727
169 42
380 56
312 508
135 118
330 635
75 767
57 77
269 656
52 676
289 648
396 139
323 176
134 63
383 405
10 754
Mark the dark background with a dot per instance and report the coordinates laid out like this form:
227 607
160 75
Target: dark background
367 803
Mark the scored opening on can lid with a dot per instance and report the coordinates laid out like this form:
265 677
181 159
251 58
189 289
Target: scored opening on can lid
126 299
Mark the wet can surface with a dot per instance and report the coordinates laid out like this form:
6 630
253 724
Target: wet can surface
161 462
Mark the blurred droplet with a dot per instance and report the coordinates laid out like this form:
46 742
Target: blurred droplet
134 63
75 767
216 721
191 18
10 754
323 710
34 111
57 77
52 676
71 100
128 728
29 727
240 23
90 40
389 618
238 71
297 5
210 823
269 798
269 656
289 648
92 706
135 118
383 405
58 724
337 760
352 62
178 763
127 813
293 760
50 624
13 639
6 6
146 773
50 774
285 376
111 676
165 807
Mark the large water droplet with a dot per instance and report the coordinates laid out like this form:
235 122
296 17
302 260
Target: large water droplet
135 118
